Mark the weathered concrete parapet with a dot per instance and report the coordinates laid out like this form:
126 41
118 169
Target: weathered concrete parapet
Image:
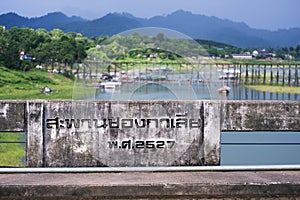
25 116
137 133
35 133
261 116
212 132
12 115
142 133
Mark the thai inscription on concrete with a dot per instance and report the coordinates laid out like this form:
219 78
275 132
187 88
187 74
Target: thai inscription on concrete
124 133
137 133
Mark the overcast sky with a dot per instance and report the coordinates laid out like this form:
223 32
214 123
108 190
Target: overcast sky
262 14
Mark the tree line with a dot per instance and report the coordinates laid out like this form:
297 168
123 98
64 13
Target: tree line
21 47
24 48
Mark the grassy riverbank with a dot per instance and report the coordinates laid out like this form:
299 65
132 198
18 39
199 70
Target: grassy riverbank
12 153
16 84
275 88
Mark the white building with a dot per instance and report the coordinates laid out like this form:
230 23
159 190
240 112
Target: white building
243 56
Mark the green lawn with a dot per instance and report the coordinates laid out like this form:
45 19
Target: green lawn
275 88
12 153
27 85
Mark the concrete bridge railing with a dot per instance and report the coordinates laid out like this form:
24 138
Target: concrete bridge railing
137 133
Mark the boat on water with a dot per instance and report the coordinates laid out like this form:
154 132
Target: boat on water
230 73
110 84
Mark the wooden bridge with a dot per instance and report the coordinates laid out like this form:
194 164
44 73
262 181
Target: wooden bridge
274 74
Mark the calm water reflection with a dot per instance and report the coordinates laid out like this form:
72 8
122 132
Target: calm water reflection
171 91
242 93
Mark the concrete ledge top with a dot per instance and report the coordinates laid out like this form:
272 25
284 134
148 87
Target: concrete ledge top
237 184
147 101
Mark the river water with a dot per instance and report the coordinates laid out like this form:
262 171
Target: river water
195 91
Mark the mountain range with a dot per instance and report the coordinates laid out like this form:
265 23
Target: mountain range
194 25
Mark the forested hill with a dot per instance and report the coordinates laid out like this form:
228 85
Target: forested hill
194 25
49 21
